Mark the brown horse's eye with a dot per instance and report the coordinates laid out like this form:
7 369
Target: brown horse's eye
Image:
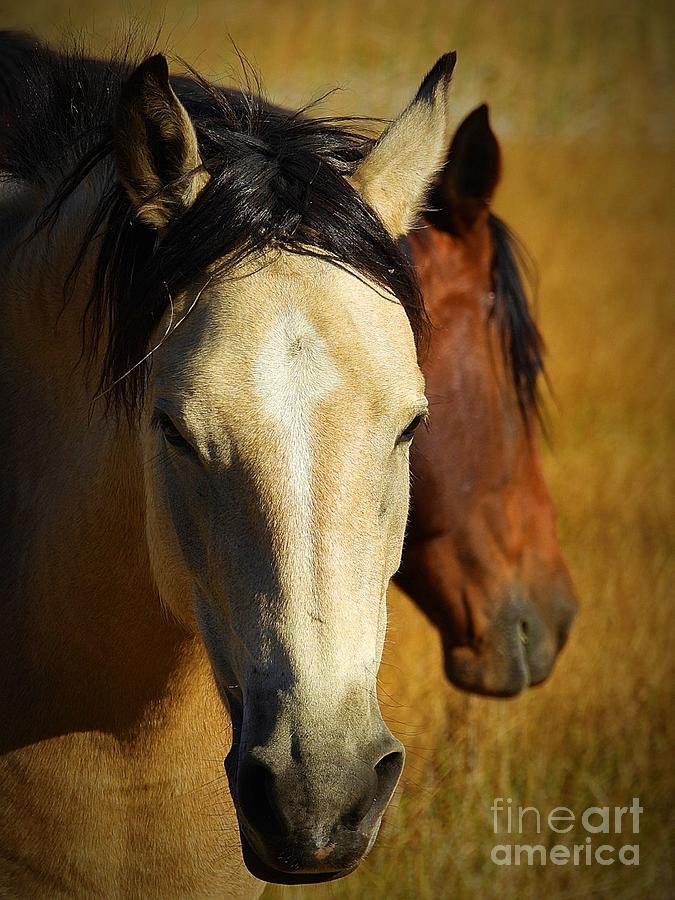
171 434
409 432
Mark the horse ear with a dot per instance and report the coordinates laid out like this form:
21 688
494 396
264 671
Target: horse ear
471 172
156 149
396 174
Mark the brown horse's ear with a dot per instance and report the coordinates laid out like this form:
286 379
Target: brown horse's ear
156 150
396 174
471 173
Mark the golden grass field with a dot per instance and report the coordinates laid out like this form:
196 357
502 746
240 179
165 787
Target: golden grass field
579 93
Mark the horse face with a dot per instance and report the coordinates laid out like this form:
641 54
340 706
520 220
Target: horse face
277 502
278 419
482 558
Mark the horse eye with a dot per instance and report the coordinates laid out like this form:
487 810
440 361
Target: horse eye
409 432
171 434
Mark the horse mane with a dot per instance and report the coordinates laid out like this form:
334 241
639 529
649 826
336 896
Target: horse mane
514 283
276 183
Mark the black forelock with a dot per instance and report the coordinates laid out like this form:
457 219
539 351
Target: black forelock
277 182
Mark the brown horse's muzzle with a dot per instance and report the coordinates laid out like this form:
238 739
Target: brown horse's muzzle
497 640
517 650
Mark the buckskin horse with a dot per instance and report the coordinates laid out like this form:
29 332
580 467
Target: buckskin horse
206 547
481 556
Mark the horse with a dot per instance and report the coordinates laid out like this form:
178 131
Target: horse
481 557
210 383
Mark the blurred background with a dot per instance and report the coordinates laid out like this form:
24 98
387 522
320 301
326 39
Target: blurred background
580 93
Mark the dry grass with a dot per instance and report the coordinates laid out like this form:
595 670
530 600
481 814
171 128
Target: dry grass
564 70
579 92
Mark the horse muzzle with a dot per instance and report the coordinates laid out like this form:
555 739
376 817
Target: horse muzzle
518 650
309 810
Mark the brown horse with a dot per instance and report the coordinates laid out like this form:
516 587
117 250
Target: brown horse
481 557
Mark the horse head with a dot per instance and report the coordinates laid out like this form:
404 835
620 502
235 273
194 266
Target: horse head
277 414
482 558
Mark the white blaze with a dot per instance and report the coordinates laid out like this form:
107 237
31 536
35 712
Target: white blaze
293 373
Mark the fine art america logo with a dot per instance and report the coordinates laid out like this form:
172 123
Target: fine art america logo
603 835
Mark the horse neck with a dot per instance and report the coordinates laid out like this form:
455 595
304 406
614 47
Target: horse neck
86 625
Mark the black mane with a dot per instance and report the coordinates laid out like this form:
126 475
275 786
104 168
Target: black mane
522 343
276 182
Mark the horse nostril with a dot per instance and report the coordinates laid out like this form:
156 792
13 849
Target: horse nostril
388 772
257 799
523 631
